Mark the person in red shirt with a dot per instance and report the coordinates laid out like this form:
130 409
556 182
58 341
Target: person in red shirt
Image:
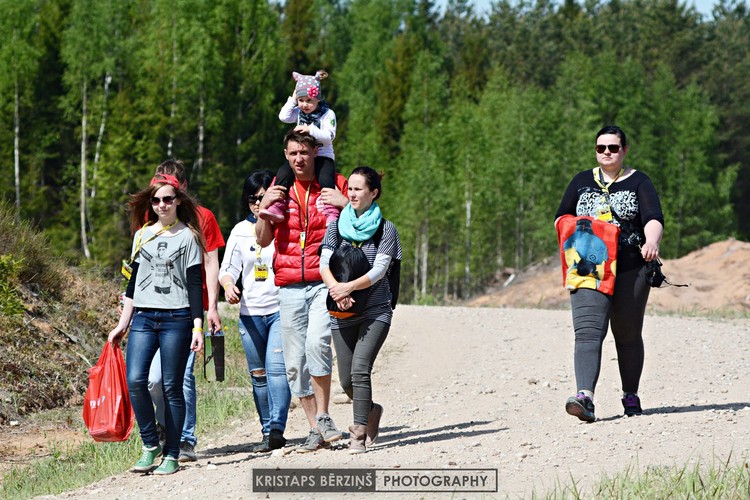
213 241
305 322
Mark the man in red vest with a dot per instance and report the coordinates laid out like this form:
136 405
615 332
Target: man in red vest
305 322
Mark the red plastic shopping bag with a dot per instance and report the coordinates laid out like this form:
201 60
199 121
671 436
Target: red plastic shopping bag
107 411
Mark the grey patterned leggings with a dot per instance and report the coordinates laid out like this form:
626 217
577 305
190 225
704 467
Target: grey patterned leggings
594 312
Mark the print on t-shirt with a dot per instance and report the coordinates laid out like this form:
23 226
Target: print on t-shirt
162 269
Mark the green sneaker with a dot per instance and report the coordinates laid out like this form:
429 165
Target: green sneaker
169 465
148 457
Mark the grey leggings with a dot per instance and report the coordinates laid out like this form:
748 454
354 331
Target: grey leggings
356 349
623 311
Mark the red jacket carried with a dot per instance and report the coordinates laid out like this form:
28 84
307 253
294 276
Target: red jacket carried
292 264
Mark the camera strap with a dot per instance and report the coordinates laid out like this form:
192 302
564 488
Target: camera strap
656 277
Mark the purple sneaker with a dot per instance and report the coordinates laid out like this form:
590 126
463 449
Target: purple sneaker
632 404
581 406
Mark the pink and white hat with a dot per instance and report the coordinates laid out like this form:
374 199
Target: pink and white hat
309 85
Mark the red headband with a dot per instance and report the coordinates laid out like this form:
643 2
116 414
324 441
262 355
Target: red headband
166 179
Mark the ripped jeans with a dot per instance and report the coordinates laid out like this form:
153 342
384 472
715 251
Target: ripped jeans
261 339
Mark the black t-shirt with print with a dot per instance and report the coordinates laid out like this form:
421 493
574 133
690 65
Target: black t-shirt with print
633 201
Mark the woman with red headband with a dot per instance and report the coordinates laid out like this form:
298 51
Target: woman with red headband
164 302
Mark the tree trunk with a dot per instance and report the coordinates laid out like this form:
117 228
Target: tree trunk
84 242
201 136
173 107
17 150
447 270
467 227
424 251
97 154
415 274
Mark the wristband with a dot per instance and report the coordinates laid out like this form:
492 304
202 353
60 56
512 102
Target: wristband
197 329
226 285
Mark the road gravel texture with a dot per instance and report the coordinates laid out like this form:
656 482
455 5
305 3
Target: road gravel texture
484 388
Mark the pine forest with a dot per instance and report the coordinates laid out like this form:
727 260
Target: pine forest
478 121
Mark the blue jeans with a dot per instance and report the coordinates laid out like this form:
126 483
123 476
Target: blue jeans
306 335
188 389
261 339
168 331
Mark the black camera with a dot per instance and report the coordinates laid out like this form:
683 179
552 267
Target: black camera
654 276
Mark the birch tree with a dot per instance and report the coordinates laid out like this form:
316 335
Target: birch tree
87 56
20 58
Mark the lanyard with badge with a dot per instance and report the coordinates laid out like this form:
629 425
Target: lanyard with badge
127 269
302 233
260 269
604 211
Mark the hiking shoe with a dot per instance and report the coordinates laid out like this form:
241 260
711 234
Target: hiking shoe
581 406
148 457
263 446
187 452
313 442
276 439
327 429
632 404
169 465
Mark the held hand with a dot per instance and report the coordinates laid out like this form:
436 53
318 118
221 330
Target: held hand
649 251
273 194
196 345
340 291
214 321
232 294
304 129
345 303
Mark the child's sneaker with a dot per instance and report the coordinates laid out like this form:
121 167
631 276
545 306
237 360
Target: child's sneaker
274 213
581 406
148 457
632 404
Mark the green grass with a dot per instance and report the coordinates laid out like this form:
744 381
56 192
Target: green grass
721 479
71 467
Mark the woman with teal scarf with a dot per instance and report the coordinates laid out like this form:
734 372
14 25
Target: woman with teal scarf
358 339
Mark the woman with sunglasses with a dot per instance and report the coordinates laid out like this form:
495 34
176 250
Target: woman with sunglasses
623 196
259 325
164 300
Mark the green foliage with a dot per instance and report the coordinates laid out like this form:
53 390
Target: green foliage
479 122
717 480
10 303
27 260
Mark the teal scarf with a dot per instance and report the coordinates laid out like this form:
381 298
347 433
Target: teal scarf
359 229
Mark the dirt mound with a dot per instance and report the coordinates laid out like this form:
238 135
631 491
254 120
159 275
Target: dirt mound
719 278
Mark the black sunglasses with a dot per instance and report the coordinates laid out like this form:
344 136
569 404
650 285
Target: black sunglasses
252 199
613 148
168 200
